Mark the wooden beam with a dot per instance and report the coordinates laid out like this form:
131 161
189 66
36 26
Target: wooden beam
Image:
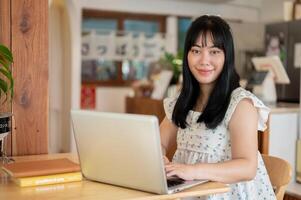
5 38
30 49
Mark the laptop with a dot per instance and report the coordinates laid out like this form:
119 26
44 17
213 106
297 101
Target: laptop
124 150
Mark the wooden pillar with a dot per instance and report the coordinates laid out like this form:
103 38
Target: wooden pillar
28 37
5 38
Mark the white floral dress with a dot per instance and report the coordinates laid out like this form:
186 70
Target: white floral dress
198 144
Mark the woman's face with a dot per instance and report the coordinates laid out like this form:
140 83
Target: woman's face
205 62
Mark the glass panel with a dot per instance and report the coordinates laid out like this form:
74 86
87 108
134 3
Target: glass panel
183 25
93 23
98 70
148 27
134 70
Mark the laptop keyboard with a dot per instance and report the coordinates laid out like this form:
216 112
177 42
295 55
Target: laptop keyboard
174 181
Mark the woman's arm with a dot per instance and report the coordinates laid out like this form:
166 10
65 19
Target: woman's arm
168 134
243 166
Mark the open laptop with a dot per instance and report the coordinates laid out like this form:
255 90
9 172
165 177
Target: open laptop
123 150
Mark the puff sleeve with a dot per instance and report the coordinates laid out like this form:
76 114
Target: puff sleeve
169 104
237 96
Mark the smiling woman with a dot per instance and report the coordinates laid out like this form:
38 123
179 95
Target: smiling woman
214 121
206 61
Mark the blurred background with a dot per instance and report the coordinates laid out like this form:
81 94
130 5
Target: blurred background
110 56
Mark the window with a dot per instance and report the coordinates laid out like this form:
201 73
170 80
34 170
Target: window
116 72
183 25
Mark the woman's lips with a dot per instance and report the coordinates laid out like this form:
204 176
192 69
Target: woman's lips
205 72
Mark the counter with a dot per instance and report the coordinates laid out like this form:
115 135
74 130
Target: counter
284 123
283 107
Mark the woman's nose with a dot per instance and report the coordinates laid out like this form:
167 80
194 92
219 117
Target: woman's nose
204 58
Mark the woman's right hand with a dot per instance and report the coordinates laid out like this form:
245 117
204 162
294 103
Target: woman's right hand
166 161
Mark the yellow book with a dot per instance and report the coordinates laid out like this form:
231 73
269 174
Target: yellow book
48 179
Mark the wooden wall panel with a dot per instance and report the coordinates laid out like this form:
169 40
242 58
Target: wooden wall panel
5 38
288 196
30 49
5 28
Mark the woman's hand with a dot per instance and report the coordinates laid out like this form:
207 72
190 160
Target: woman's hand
166 161
183 171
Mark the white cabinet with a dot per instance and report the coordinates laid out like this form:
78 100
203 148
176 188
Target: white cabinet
283 137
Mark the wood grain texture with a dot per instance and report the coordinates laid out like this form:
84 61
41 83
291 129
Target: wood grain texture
146 106
5 38
5 26
288 196
30 49
263 139
280 174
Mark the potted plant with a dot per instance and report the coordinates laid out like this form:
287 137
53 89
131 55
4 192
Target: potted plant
173 63
6 92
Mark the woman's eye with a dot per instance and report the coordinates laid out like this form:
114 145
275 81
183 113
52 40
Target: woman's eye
215 52
195 51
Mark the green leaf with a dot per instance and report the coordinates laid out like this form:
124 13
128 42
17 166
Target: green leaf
11 88
7 74
3 89
5 64
3 86
6 84
6 53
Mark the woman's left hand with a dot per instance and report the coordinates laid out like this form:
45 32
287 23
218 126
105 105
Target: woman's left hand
184 171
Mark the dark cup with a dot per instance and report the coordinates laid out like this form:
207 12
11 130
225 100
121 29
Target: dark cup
5 123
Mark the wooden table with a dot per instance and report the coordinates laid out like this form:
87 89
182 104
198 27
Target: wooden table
90 190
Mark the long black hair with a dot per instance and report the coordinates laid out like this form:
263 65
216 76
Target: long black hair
227 81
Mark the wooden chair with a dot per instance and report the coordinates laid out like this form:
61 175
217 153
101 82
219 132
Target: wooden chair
280 174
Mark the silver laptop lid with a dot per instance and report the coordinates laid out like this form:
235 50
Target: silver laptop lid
120 149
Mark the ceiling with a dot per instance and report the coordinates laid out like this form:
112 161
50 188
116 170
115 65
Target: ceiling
257 4
207 1
213 1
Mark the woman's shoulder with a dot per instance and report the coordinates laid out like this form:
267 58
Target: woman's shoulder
240 91
169 104
240 94
171 99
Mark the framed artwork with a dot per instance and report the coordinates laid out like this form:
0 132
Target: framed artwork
118 47
88 98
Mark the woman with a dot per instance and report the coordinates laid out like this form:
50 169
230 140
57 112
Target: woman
213 120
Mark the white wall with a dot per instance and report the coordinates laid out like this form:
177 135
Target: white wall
112 99
59 78
248 36
233 10
284 125
55 79
271 11
64 72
